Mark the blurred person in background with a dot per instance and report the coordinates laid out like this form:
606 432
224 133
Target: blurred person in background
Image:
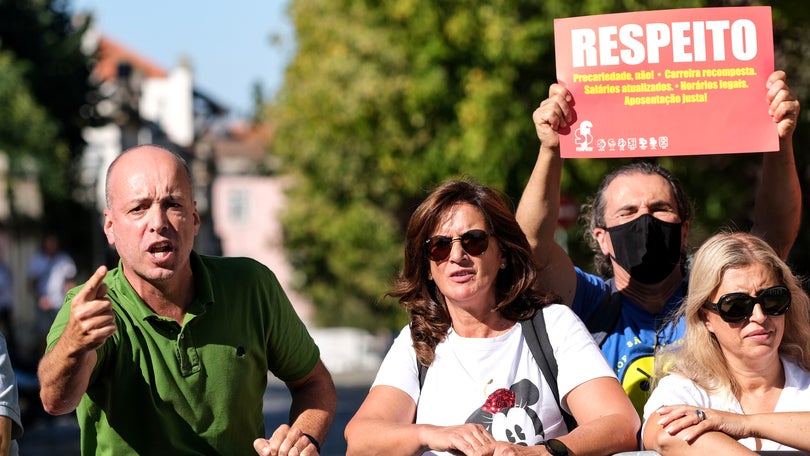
7 301
11 427
51 273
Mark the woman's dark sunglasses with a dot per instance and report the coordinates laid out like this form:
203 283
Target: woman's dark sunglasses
474 242
737 307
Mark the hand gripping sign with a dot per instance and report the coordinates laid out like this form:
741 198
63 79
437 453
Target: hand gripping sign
670 82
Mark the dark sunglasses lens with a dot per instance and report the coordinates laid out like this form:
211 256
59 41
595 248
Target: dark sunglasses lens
475 242
736 307
439 247
775 300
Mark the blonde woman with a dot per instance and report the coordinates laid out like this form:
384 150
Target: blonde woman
739 381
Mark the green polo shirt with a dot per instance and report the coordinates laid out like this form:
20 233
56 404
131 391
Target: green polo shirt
195 388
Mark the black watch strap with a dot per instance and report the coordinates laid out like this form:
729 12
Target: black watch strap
556 448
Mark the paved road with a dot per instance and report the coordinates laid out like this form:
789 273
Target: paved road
61 435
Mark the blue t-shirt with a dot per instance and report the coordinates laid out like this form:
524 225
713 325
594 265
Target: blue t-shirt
631 344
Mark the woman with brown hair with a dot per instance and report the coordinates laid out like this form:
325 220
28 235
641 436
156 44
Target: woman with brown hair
468 279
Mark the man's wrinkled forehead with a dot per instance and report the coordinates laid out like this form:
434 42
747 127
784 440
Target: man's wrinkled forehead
637 189
146 167
139 189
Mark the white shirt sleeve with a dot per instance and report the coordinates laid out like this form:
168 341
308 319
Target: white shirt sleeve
399 367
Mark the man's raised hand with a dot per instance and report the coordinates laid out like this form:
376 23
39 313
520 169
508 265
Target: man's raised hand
92 319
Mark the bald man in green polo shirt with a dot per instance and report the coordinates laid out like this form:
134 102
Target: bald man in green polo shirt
169 352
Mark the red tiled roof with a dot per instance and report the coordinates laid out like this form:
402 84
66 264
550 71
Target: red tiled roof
246 141
110 54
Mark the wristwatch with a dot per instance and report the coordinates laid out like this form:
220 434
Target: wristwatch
556 448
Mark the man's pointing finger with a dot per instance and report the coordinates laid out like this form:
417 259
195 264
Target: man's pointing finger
95 288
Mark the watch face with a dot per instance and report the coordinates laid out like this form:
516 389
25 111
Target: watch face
556 447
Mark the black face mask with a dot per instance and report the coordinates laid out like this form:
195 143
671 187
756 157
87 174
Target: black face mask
647 248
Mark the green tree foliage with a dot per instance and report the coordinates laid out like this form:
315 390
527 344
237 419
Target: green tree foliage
26 130
386 99
41 33
46 99
45 47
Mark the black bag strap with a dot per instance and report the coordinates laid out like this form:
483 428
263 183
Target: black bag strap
536 335
604 318
422 374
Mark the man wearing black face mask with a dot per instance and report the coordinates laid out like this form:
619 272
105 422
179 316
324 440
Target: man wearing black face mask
647 248
639 222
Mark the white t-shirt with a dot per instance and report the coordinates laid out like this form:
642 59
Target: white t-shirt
494 381
675 389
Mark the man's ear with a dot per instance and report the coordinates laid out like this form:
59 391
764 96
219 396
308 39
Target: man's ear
197 220
603 239
108 228
685 234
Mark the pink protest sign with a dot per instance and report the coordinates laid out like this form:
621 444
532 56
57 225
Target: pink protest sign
670 82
